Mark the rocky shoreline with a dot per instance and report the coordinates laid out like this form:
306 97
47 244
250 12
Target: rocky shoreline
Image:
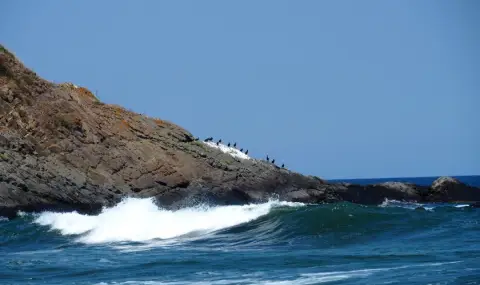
62 149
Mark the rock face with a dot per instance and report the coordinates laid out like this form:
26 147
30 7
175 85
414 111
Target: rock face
446 189
63 149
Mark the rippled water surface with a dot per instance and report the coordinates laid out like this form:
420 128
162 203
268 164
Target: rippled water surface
271 243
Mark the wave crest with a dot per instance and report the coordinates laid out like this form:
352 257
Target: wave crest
140 220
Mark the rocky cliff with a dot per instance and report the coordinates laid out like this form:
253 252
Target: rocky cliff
63 149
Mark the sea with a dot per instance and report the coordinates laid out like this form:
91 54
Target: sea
274 243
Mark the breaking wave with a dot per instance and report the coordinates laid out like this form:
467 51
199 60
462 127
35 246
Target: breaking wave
140 220
274 243
143 223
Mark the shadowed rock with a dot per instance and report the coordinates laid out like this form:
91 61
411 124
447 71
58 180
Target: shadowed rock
446 189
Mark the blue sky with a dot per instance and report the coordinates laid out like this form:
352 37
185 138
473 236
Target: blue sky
338 89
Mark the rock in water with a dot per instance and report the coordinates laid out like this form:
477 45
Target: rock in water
446 189
61 148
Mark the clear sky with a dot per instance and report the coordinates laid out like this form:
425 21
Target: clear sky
338 89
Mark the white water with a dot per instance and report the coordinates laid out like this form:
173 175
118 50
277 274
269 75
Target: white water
140 220
301 279
401 204
414 206
229 150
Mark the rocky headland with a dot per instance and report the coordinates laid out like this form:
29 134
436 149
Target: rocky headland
62 149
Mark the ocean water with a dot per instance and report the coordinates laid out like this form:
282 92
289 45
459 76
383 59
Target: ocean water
272 243
472 180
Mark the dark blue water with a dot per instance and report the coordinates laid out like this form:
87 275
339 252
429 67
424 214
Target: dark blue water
473 180
272 243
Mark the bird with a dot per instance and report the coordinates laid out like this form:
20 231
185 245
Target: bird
197 138
283 165
273 161
246 152
220 140
268 158
241 150
235 145
228 145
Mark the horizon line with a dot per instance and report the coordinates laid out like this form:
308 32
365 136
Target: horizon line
404 177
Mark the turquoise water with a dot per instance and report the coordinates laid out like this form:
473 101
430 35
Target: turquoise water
272 243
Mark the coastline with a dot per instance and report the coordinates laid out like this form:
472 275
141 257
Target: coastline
62 149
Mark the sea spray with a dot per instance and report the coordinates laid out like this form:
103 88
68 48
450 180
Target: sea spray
340 243
140 220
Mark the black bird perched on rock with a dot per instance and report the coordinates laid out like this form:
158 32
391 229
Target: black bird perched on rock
241 150
228 144
246 152
273 161
197 138
235 145
209 139
220 140
283 165
268 158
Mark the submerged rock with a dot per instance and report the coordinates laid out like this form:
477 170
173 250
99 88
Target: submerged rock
63 149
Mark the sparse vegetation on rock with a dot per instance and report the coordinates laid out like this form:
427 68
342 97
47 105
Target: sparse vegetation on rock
73 152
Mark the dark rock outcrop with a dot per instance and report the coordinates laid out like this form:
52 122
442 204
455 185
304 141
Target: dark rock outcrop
446 189
62 149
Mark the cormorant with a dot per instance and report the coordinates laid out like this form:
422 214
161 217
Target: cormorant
283 165
273 161
246 152
228 144
197 138
268 158
235 145
241 150
220 140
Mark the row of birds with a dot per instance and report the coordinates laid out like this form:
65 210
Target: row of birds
220 141
210 139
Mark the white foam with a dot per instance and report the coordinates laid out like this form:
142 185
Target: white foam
229 150
22 214
406 205
140 220
414 206
395 203
301 279
42 252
